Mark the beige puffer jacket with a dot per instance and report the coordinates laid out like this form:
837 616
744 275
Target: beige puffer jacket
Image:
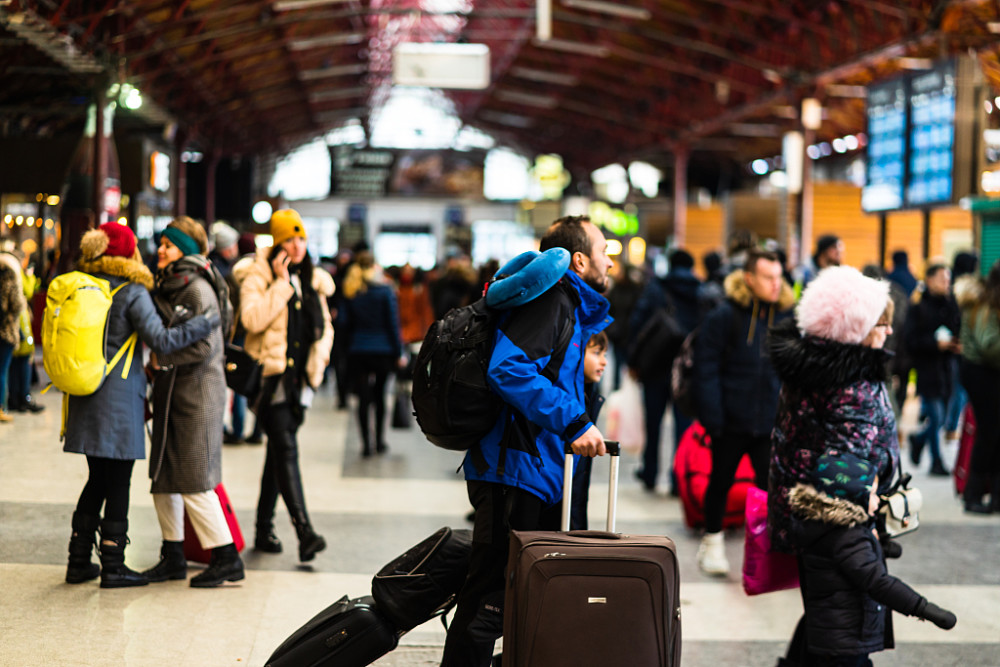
264 313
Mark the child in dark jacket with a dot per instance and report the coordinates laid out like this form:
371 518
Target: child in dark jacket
844 583
595 360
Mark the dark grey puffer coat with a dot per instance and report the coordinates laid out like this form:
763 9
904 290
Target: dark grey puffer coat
189 398
110 423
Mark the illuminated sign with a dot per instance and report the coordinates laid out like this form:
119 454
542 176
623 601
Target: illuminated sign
159 171
886 146
615 220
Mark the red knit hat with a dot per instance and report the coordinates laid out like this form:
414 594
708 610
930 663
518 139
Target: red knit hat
121 240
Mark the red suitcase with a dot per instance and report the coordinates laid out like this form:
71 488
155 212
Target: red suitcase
591 598
192 547
965 443
693 467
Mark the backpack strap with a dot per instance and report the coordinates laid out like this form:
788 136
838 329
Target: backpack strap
129 347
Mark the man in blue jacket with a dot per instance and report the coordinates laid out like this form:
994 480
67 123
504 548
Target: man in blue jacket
736 388
514 475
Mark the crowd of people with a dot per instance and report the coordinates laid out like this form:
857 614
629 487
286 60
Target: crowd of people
797 367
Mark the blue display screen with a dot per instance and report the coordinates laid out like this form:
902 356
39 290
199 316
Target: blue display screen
932 136
886 115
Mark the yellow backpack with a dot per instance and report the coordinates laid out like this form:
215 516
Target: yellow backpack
74 333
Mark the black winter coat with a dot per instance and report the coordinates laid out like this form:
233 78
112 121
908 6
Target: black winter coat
933 365
846 589
735 386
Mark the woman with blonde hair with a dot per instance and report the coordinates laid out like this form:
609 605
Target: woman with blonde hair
374 346
189 399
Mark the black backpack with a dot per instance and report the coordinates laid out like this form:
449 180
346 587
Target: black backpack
656 345
452 401
682 370
682 377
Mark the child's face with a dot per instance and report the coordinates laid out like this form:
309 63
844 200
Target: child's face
594 362
873 499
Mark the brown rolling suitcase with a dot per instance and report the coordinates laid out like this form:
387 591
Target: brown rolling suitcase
595 598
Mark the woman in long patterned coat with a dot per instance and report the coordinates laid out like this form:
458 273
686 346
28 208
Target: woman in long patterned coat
189 397
833 395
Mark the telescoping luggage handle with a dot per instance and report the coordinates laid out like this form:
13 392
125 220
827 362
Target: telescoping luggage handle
614 450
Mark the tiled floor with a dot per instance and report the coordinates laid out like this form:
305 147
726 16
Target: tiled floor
371 510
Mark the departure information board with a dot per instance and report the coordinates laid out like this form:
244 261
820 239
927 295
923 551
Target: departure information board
932 136
886 146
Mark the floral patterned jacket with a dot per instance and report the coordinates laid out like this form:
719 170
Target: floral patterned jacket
833 398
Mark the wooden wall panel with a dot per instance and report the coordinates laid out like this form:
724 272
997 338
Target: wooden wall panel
756 213
705 232
904 231
951 232
837 210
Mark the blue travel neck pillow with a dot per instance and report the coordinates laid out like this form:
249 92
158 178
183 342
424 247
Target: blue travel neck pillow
527 276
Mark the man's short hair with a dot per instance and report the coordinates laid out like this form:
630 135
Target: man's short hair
568 232
757 254
681 259
826 242
933 269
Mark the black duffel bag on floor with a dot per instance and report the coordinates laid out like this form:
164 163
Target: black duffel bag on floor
423 582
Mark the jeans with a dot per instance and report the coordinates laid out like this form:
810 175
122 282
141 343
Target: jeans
956 403
727 450
933 409
655 397
478 621
239 414
6 354
19 381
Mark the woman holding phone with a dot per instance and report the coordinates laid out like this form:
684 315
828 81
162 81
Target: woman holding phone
283 308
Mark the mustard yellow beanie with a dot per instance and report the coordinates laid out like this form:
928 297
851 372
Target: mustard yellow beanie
286 223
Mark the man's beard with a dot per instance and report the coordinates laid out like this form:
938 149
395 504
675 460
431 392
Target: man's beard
596 281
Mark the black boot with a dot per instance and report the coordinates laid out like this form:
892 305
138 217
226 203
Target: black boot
114 572
995 495
224 566
976 487
310 543
81 546
29 405
266 540
172 563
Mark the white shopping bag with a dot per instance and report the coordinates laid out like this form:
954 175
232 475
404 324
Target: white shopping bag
626 422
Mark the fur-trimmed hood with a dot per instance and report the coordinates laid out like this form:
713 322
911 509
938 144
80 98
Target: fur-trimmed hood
737 289
969 291
813 363
809 504
11 263
130 268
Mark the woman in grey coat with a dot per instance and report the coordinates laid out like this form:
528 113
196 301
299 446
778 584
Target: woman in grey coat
189 399
107 426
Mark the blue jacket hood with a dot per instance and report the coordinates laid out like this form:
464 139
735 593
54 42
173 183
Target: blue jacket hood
537 368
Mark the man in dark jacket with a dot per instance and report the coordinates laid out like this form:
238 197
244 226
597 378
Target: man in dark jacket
736 388
931 336
900 273
677 292
514 475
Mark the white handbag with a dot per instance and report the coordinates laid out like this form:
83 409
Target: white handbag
902 511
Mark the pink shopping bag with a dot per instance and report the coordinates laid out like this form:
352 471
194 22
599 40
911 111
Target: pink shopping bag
764 570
